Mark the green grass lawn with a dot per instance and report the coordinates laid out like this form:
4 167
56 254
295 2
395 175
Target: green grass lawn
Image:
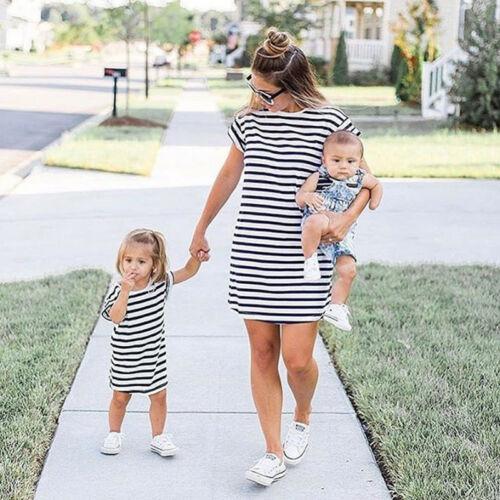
436 152
127 149
44 329
373 101
397 149
421 366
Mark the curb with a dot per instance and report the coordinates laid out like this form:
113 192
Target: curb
13 177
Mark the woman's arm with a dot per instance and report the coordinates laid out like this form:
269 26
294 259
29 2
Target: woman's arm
188 271
223 186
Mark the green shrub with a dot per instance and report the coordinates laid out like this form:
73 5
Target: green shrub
396 59
375 76
476 86
341 67
320 67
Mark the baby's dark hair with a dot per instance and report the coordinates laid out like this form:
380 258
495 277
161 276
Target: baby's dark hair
344 137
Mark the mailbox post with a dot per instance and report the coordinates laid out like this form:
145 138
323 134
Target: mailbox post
115 73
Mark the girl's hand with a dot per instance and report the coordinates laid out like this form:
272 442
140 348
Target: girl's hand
314 201
128 282
199 248
338 227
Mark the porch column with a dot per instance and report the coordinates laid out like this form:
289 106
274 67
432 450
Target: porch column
386 34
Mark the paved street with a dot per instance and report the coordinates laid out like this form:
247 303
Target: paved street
38 103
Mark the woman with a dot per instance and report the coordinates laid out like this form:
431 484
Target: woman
277 144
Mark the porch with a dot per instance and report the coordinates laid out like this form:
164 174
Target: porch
366 27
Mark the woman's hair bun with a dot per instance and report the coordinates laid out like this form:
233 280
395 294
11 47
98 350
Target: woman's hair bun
277 42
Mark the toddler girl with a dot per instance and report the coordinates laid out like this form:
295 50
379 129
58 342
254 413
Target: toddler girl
341 179
139 358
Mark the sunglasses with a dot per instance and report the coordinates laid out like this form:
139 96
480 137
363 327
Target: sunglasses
265 96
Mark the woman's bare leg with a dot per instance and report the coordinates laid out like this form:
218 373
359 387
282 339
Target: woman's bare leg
266 384
297 348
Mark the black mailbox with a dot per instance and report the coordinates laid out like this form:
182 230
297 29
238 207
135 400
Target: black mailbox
116 72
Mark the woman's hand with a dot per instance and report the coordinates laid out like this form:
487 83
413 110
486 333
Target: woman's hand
338 226
199 248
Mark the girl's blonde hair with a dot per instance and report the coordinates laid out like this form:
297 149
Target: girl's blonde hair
280 62
158 254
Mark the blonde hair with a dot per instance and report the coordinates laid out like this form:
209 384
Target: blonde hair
280 62
159 253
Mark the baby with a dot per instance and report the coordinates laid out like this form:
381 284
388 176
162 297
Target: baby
340 179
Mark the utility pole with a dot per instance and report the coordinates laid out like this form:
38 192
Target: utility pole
146 37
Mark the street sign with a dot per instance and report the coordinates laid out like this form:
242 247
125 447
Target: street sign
116 72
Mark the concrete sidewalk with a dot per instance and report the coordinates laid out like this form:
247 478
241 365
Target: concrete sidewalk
77 218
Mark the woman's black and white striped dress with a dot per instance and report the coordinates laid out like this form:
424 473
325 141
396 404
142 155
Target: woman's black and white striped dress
267 265
139 353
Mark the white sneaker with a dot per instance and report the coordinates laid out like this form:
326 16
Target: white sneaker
267 470
311 268
338 315
162 444
296 442
112 444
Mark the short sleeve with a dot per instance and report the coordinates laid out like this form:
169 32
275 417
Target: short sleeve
169 283
349 127
110 300
236 133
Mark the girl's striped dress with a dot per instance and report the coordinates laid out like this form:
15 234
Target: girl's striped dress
267 265
139 353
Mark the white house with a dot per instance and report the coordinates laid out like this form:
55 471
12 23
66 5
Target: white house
19 22
367 25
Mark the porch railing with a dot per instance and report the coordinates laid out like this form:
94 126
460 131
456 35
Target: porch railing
436 82
365 52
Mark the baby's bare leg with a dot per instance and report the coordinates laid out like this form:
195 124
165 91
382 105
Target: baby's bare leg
314 227
346 272
117 409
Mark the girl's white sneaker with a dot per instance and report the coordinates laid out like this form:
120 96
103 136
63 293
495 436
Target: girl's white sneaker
112 444
338 316
267 470
296 442
311 268
163 445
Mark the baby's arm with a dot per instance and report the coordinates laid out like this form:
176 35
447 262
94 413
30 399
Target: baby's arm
375 186
188 271
306 195
119 308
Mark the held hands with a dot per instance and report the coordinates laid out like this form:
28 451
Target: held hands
128 281
199 248
314 201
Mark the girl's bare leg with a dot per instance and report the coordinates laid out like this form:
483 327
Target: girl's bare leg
297 348
117 409
158 412
314 227
266 384
346 272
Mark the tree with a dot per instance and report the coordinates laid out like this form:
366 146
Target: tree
172 25
125 24
340 67
476 86
295 18
416 38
